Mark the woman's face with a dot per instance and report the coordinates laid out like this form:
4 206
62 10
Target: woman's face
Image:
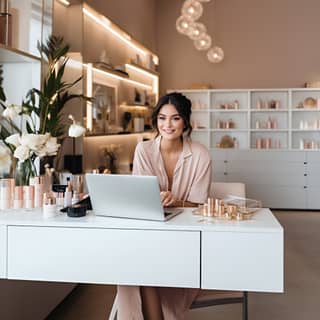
170 123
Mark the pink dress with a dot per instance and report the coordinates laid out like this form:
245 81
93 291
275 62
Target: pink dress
191 182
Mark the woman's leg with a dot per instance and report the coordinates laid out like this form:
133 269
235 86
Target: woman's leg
151 304
129 303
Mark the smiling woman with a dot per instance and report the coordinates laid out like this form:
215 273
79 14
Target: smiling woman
183 168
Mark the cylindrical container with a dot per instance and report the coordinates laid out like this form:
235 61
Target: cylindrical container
68 197
257 124
210 207
277 104
75 197
258 143
268 143
60 200
38 183
5 194
77 183
49 207
5 23
18 197
205 210
28 197
277 144
259 104
318 103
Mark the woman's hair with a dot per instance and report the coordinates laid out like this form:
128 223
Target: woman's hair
181 103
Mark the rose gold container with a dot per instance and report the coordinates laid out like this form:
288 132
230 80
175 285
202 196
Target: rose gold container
258 143
18 197
28 197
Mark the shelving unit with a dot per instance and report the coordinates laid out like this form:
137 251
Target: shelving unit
278 155
256 115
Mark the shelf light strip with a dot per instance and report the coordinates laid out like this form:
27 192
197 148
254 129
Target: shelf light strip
65 2
142 71
105 23
136 83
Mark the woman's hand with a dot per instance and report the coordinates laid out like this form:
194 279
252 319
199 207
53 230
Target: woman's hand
167 198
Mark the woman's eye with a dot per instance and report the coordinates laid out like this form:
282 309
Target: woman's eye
176 118
161 118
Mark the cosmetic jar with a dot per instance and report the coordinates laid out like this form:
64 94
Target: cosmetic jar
49 207
76 211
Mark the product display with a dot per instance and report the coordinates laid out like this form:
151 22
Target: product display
256 118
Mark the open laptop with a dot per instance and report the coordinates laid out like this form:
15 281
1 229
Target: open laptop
127 196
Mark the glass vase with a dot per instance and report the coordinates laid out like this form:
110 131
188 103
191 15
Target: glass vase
24 170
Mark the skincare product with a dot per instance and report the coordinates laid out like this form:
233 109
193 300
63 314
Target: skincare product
49 207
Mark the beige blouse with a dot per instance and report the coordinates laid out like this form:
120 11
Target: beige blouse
192 174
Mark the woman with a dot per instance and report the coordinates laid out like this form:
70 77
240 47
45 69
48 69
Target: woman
183 168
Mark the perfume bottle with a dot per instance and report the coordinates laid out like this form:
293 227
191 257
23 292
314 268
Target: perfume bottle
5 23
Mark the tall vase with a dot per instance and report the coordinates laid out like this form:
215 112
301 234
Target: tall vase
24 170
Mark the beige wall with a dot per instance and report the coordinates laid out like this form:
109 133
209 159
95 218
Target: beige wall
137 17
272 43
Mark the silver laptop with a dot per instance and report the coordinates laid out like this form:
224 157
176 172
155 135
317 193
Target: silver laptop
127 196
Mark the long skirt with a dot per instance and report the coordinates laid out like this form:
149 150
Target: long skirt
175 302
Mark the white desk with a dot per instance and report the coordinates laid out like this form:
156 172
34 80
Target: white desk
182 252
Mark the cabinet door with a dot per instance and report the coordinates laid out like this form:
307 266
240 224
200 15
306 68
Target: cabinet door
3 251
219 165
110 256
278 197
276 178
242 261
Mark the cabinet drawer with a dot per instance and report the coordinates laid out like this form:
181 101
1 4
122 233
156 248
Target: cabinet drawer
243 261
111 256
3 251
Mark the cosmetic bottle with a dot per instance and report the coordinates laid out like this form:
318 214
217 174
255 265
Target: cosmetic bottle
75 198
18 197
68 196
28 197
5 23
37 182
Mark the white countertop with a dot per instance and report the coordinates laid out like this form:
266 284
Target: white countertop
262 221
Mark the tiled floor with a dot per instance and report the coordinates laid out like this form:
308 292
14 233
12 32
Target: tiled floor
302 283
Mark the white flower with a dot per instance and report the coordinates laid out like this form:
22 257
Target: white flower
22 153
5 159
14 139
49 149
11 111
34 141
75 130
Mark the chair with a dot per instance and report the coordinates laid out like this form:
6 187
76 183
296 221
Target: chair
208 298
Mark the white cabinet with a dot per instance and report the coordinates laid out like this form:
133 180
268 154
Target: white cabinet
278 178
257 118
273 139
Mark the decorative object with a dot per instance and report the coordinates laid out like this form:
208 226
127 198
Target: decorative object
109 153
73 162
215 54
309 103
186 24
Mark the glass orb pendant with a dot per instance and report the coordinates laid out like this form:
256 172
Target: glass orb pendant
192 9
196 30
215 55
183 24
203 42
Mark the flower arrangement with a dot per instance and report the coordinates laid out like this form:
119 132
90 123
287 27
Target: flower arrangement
42 126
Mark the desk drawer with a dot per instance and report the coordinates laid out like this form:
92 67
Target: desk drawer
111 256
242 261
3 251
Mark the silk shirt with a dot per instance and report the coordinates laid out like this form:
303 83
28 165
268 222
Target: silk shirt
191 176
